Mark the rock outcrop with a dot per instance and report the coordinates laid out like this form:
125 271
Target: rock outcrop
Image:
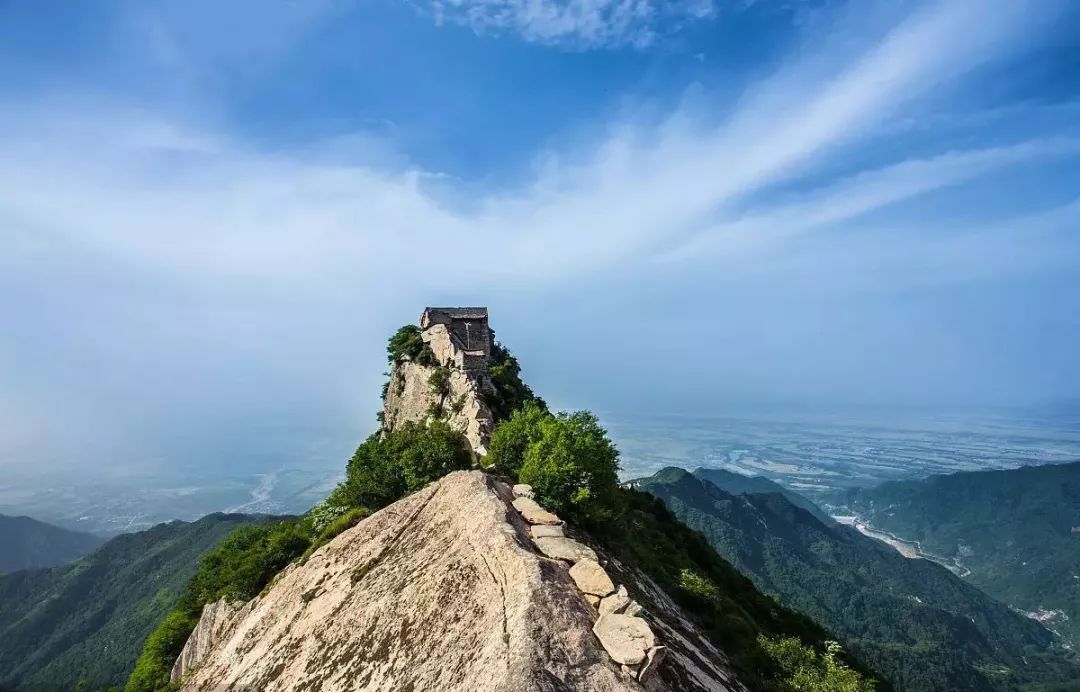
216 619
454 389
443 590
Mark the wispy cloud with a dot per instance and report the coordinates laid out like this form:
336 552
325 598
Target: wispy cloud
144 191
575 24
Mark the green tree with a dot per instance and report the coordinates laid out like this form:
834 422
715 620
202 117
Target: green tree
805 670
407 344
572 466
510 439
426 453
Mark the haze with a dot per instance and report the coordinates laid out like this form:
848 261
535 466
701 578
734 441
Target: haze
212 219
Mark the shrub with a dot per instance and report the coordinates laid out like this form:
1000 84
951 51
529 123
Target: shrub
427 452
407 344
372 478
385 467
511 437
805 670
572 466
439 381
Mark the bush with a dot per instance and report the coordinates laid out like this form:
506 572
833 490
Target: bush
407 344
439 381
510 439
568 459
805 670
385 467
427 452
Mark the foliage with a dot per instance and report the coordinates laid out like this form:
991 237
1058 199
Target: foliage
386 466
912 620
511 437
805 670
510 392
88 620
439 381
1013 529
567 458
407 344
572 466
237 570
726 605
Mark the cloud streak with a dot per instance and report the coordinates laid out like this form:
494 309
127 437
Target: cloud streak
574 24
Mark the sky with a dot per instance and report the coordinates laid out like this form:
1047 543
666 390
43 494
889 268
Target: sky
213 214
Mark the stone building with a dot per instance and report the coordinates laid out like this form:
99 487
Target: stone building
461 341
468 330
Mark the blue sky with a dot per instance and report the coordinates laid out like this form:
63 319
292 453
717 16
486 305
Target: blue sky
214 213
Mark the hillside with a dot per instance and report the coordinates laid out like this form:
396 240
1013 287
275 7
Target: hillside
87 620
440 590
919 624
1017 532
27 543
738 484
422 571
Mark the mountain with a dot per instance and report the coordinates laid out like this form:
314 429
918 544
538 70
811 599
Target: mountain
1014 533
738 484
920 625
440 590
87 620
27 543
481 542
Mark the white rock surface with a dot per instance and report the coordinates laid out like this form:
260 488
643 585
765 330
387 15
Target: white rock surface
436 592
591 578
546 531
562 548
216 619
616 602
523 490
534 513
653 659
627 639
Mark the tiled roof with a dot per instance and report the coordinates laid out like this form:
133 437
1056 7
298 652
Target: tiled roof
461 313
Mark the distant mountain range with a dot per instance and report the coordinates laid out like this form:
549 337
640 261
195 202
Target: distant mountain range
1017 532
923 627
27 543
86 621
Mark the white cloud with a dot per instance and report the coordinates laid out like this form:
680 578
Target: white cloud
145 192
578 24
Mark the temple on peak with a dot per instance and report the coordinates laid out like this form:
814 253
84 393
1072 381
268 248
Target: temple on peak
468 328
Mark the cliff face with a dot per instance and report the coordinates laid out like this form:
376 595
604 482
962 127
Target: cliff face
453 390
443 590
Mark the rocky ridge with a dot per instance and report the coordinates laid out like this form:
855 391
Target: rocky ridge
448 589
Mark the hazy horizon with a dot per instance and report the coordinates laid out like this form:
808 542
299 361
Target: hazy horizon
214 215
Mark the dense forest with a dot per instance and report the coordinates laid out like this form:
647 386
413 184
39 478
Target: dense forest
1016 531
919 624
